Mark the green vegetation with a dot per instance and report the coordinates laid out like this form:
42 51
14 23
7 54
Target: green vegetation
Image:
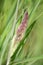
28 51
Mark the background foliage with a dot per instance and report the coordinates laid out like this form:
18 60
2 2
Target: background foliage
30 48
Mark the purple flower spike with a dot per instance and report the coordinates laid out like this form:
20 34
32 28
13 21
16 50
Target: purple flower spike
22 27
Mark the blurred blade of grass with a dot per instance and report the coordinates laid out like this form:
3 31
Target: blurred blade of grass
9 25
22 41
33 12
8 60
29 60
39 16
5 14
1 4
9 36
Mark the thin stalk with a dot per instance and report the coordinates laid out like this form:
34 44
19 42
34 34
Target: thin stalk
10 50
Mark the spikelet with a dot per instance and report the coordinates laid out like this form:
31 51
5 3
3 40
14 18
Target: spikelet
21 29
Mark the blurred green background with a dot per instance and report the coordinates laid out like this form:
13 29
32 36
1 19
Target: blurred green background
32 49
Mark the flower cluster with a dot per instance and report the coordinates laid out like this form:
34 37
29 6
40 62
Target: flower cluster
22 27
